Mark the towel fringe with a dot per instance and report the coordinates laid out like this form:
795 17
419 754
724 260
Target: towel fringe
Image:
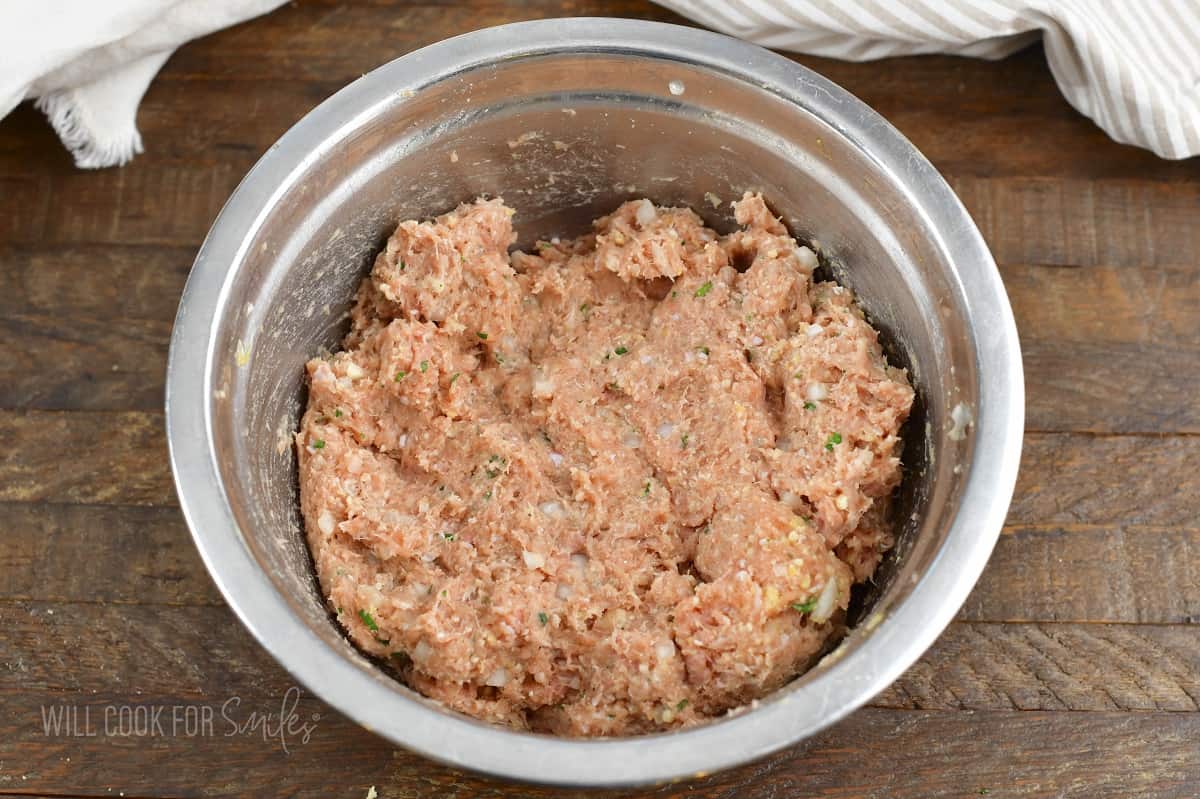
88 149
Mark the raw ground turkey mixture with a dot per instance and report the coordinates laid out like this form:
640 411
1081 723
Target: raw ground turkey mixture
621 484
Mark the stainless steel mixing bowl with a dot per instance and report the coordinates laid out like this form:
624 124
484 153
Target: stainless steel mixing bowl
565 119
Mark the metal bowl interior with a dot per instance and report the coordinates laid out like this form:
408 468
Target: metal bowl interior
565 119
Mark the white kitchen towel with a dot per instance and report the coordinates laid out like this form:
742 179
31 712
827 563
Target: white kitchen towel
1133 66
88 62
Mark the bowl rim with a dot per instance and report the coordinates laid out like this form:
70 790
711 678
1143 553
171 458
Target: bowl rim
900 639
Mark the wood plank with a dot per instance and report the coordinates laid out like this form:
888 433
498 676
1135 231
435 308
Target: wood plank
1148 575
1076 573
133 555
101 457
1106 349
1080 546
1065 478
94 321
202 651
111 281
1109 349
171 194
1083 222
83 363
1068 479
899 754
1079 667
99 655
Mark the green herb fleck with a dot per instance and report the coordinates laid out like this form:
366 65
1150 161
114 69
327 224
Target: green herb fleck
482 335
454 377
494 471
543 619
984 791
585 307
834 438
400 376
402 265
806 606
368 620
319 444
810 406
704 350
445 592
613 387
683 441
424 366
681 705
488 495
499 359
674 294
337 412
646 489
703 290
620 350
448 536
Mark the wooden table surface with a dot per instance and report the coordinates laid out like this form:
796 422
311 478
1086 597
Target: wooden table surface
1072 670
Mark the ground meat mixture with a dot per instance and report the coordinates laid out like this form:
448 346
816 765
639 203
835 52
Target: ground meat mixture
620 484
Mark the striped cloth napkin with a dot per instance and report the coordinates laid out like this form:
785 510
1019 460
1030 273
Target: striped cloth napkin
1133 66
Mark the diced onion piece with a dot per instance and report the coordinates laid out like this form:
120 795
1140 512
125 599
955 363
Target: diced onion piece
533 560
354 371
793 501
665 430
564 591
664 649
631 439
645 213
579 561
552 508
806 257
816 392
325 521
556 458
813 330
421 651
542 385
826 602
498 678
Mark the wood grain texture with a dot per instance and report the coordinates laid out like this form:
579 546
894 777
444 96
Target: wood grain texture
1073 669
876 753
118 457
200 651
1080 573
1106 349
1133 574
100 553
